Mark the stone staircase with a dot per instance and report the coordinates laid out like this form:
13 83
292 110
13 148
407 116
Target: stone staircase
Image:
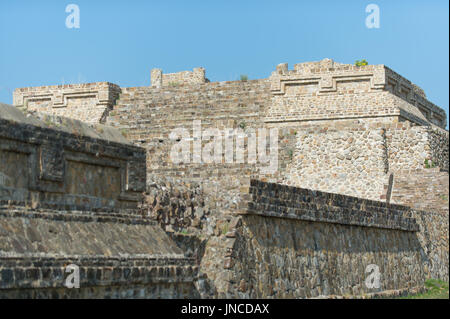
159 110
147 115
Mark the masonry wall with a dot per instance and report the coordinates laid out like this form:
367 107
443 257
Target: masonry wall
433 237
309 99
408 148
331 90
181 206
147 116
350 162
427 192
307 263
416 147
63 163
159 79
342 129
357 157
69 194
297 243
88 102
348 156
439 148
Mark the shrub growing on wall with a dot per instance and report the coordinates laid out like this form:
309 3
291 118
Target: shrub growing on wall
361 63
244 78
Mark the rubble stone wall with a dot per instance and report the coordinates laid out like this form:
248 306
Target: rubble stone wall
298 243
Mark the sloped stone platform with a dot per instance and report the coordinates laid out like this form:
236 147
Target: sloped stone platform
118 256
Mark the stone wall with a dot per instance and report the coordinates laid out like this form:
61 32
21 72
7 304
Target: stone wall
349 162
178 206
297 243
424 189
414 96
69 194
357 157
408 147
439 147
149 115
434 240
416 147
330 90
88 102
371 105
62 163
159 79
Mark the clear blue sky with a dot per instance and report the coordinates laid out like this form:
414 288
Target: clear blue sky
120 41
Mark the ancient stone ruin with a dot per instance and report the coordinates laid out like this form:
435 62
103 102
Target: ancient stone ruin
88 178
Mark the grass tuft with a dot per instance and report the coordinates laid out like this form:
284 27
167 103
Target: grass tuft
437 289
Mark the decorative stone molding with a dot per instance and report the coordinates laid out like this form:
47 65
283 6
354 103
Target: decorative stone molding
317 80
69 165
88 102
325 74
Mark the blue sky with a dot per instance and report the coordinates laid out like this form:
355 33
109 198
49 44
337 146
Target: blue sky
120 41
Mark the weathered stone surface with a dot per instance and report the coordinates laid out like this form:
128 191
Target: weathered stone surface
119 256
325 250
330 90
93 180
63 163
88 102
158 78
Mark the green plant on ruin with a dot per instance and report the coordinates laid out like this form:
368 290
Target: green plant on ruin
291 153
429 164
243 125
124 132
184 232
361 62
225 228
243 78
436 289
174 84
